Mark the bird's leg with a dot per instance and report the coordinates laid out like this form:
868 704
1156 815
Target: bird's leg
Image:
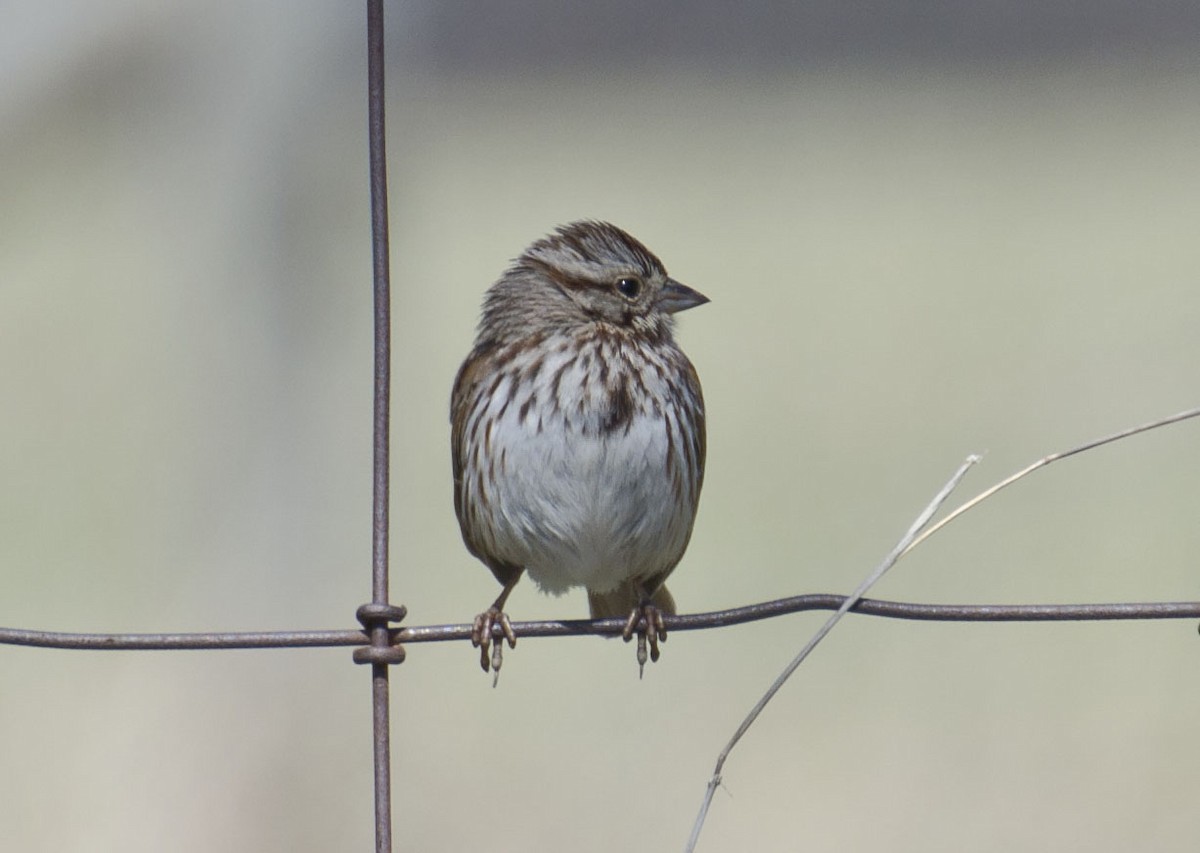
481 632
651 634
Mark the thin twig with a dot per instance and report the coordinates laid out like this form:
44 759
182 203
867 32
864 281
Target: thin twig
914 538
889 561
1043 462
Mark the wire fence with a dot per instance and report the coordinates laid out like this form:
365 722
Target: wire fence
380 642
397 637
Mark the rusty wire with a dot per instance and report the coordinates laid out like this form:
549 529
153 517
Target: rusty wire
377 616
611 627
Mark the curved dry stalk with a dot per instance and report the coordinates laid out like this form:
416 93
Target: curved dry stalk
1042 463
915 536
917 526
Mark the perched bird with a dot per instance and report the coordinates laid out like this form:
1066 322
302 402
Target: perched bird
577 431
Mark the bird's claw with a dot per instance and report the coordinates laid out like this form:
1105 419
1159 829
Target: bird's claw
650 635
482 636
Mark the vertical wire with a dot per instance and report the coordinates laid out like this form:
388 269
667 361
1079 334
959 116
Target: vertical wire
379 541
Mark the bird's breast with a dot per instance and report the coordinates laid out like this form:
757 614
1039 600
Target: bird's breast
581 480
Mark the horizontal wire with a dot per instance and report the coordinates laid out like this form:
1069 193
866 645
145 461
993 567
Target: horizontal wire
609 627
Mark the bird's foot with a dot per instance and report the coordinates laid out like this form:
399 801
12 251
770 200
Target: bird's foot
482 638
647 622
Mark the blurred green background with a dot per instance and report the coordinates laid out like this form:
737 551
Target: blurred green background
926 231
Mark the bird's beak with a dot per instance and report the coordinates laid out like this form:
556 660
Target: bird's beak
676 297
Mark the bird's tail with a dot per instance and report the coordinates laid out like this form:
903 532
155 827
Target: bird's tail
622 600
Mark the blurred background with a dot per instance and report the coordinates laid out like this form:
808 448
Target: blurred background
927 230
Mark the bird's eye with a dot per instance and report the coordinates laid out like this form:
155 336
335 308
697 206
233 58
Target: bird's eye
629 287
